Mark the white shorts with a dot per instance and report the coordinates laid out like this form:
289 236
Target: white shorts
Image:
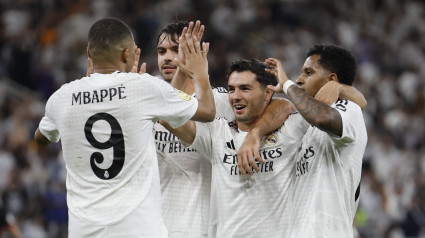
136 225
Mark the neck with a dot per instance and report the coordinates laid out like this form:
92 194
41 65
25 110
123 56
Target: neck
108 68
246 127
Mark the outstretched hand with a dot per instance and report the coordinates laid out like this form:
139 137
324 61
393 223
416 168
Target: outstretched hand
195 62
275 68
192 30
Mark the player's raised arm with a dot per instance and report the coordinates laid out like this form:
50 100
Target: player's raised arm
196 67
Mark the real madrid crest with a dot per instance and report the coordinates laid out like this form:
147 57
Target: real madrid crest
270 140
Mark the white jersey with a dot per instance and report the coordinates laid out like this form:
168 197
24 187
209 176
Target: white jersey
328 172
249 206
105 122
186 179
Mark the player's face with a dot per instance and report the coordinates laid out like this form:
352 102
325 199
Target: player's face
313 76
246 96
167 50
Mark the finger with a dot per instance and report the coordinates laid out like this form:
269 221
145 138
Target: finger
136 61
253 163
190 44
205 48
190 28
240 165
196 28
142 68
200 33
270 63
183 45
184 32
274 72
196 44
258 157
278 88
247 167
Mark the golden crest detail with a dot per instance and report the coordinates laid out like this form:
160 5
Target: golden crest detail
184 96
271 140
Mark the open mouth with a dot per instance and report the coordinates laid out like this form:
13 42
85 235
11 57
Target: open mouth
239 107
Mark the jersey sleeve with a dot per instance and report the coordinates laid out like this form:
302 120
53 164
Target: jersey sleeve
295 126
205 132
352 121
222 105
174 106
48 126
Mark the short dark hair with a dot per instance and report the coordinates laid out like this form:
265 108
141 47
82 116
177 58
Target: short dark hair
106 33
174 30
337 60
255 66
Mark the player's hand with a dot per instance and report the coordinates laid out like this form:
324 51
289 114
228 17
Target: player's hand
249 155
142 69
192 30
329 93
275 68
90 69
196 63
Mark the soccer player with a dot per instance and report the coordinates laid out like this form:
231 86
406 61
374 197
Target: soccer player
105 122
185 173
329 159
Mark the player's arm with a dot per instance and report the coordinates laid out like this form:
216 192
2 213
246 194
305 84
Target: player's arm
333 90
186 133
196 66
313 111
40 138
273 118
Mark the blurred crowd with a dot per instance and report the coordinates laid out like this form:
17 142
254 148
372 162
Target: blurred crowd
43 45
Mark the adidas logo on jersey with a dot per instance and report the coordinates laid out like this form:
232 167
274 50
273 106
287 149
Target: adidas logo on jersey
231 145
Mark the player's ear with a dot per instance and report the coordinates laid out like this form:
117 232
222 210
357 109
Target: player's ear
268 94
88 52
125 54
333 77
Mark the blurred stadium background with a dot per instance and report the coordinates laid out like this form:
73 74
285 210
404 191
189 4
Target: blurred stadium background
43 45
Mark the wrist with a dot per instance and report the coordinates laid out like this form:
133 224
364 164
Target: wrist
286 86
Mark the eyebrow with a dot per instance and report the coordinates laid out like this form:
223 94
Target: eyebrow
241 85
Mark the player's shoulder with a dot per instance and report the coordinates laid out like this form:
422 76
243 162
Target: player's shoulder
346 105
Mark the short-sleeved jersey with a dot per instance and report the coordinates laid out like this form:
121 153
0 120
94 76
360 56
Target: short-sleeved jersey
327 177
249 206
105 122
186 179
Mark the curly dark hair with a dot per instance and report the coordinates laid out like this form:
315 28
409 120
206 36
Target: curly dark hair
174 30
337 60
255 66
